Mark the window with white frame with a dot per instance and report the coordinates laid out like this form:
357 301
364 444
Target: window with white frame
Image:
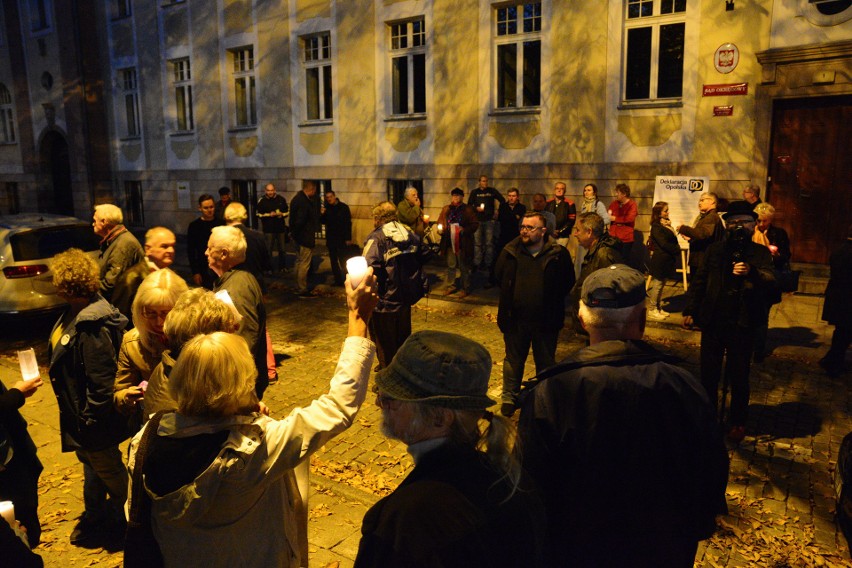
517 42
130 94
39 14
654 33
317 63
182 82
408 66
7 117
120 9
245 105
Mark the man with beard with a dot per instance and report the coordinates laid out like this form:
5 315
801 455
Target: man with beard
726 299
535 274
465 503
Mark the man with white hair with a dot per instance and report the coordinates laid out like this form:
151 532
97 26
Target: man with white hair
160 247
159 253
622 441
226 251
119 248
258 260
410 213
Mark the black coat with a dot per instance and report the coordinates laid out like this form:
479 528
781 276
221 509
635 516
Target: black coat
605 252
510 222
82 374
338 224
453 509
555 280
666 250
304 220
719 299
708 229
838 309
257 259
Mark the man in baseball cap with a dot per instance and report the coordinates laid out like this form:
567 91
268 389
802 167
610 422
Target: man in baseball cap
464 503
622 442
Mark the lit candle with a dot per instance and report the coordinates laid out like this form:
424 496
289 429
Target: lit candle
7 511
357 269
425 218
28 363
482 207
440 228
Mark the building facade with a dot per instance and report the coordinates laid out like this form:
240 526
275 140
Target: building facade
161 101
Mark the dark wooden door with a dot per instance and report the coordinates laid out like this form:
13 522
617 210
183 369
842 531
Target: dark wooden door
810 173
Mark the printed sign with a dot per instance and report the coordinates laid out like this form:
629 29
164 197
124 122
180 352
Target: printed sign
720 90
723 110
726 58
681 193
183 197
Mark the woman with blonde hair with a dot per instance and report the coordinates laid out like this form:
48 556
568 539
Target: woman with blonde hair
143 345
228 485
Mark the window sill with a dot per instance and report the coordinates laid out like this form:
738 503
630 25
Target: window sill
670 103
168 4
242 129
520 111
120 18
309 123
130 139
8 143
182 134
416 117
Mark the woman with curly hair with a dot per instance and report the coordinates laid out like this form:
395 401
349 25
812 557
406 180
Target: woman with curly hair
82 349
143 345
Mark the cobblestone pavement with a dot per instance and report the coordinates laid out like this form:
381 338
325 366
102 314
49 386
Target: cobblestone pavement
780 492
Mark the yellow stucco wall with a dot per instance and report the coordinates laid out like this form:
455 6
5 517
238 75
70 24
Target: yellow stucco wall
307 9
356 83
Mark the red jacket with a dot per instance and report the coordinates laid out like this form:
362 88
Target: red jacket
623 218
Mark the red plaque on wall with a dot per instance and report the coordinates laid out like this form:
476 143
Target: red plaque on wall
720 90
723 110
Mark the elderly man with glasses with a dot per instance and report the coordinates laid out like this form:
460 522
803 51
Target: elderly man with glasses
535 274
705 230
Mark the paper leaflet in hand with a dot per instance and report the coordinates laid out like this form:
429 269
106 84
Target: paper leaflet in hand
226 298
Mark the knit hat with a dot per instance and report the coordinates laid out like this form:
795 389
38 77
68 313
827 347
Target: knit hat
616 286
736 208
439 369
457 191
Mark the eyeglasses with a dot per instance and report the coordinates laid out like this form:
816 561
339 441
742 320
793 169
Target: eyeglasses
383 400
148 313
530 229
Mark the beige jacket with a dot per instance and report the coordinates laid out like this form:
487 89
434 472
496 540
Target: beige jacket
135 364
245 508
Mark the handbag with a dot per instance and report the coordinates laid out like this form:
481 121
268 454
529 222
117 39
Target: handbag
141 549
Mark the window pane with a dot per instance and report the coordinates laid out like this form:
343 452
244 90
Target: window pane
419 82
666 6
190 121
532 17
400 85
251 101
326 83
680 6
670 77
312 92
240 101
130 114
532 73
180 103
638 76
507 83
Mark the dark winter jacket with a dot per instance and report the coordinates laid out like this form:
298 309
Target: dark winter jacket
665 250
509 220
82 374
258 259
469 225
555 279
623 445
119 251
453 509
565 212
838 309
707 230
267 205
338 224
486 198
717 298
304 220
396 256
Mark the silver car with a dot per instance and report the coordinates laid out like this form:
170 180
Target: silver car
28 243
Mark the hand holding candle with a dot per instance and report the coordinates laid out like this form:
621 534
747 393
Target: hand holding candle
440 228
357 268
425 218
7 511
28 363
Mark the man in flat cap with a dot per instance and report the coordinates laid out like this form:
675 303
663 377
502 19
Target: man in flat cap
463 504
622 442
726 298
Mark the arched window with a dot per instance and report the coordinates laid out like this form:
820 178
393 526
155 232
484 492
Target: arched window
7 117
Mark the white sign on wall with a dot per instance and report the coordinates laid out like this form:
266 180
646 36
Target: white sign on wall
681 193
183 198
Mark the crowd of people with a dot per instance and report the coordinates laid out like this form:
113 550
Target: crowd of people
619 458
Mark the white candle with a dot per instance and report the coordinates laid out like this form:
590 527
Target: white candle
357 269
7 511
28 363
425 218
482 207
440 228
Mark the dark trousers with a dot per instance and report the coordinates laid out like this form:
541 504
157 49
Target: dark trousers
389 330
518 341
103 474
734 346
337 257
761 330
835 359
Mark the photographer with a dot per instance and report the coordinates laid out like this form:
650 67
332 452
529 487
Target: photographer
725 299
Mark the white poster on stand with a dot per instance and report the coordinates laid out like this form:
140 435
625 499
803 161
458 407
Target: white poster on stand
681 193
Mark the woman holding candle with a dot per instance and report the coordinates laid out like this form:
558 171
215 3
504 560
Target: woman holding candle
227 484
142 346
82 350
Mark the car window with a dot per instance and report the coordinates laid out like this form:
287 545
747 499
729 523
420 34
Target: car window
48 241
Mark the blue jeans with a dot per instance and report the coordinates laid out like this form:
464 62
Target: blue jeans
483 243
655 292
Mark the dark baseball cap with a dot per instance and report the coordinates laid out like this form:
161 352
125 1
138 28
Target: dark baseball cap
739 208
616 286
